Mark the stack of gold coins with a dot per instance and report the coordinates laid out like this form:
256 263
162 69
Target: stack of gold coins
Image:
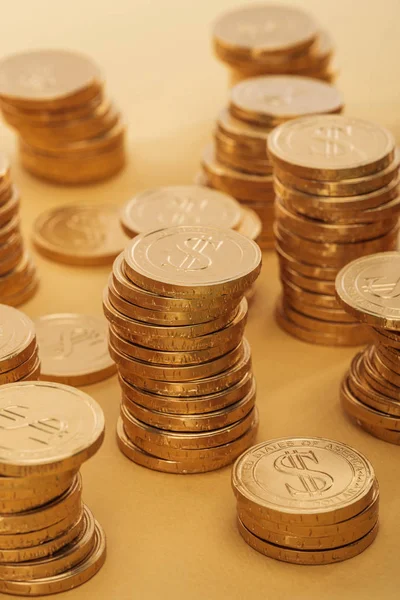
239 164
177 312
369 289
270 40
49 540
19 359
308 501
69 132
18 280
336 183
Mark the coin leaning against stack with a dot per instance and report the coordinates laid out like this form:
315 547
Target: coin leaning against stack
19 359
176 308
369 289
239 164
69 132
271 40
337 198
18 280
49 540
308 501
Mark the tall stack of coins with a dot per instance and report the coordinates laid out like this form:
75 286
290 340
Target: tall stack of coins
308 501
18 281
69 132
177 312
49 540
336 183
239 164
270 40
187 205
369 289
19 358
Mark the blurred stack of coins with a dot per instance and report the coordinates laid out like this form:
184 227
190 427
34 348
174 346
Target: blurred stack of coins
308 501
69 132
337 198
176 307
271 40
19 359
239 164
49 540
18 281
369 289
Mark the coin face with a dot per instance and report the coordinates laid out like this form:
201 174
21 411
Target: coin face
17 337
300 476
180 205
85 235
265 29
327 145
46 75
283 97
369 288
73 348
46 426
181 259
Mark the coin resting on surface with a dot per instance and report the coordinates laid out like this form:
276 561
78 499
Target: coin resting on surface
17 337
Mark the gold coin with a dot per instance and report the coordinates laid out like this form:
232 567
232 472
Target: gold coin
12 227
80 235
307 557
306 147
49 79
19 116
251 138
310 284
389 357
318 318
164 207
67 580
250 225
360 411
22 296
40 497
367 288
304 268
19 278
73 349
68 428
10 208
388 338
17 338
190 261
304 480
21 370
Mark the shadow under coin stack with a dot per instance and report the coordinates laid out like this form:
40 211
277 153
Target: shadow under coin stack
336 183
49 540
69 132
271 40
369 289
19 359
177 312
239 163
308 501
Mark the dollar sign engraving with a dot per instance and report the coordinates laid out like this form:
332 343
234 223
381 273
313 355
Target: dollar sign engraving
40 431
380 287
65 345
334 141
313 482
192 255
86 231
182 207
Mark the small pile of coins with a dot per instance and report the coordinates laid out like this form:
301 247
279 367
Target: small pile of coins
308 501
187 205
337 198
271 40
369 289
49 540
18 281
239 164
69 132
19 359
176 307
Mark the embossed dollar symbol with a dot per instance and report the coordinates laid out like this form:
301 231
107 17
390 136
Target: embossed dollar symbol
16 418
295 464
194 254
85 231
68 339
380 287
181 207
333 141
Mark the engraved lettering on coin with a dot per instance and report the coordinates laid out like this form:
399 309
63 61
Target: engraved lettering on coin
196 254
297 464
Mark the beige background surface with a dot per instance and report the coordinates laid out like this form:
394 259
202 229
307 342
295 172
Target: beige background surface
174 536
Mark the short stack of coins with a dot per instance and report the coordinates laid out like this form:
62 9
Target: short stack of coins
176 308
18 281
308 501
19 359
369 289
49 539
271 40
239 163
337 198
69 132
